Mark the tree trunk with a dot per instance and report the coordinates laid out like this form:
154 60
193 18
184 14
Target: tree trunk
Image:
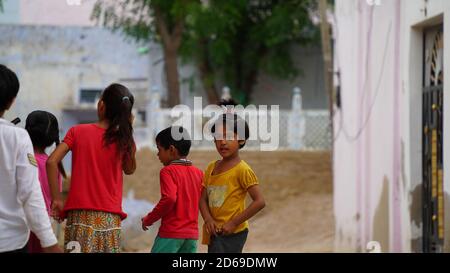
207 75
171 40
172 76
208 84
249 76
249 84
328 67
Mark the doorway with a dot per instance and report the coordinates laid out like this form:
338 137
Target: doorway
432 141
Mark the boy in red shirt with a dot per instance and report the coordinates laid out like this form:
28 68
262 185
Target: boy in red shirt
181 186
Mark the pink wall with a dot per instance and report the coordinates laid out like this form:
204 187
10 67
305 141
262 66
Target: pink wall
378 131
366 149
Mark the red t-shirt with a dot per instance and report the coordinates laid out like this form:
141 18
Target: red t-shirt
181 188
97 176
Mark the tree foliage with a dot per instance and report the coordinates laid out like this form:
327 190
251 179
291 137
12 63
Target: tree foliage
229 41
161 21
237 40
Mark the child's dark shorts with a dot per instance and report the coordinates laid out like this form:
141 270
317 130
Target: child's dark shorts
233 243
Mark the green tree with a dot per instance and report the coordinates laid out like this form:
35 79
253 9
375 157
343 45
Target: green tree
161 21
229 41
233 41
211 25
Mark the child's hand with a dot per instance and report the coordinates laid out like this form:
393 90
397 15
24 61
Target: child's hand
229 228
144 227
211 228
57 207
52 249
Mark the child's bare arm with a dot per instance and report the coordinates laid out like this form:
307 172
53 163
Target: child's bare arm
52 169
52 173
129 161
211 226
257 205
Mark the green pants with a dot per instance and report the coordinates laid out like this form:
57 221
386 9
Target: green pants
166 245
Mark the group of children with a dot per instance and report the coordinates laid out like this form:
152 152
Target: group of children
101 153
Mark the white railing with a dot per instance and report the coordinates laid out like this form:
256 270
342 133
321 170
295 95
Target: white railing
298 129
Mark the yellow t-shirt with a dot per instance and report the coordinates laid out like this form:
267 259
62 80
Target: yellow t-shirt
226 194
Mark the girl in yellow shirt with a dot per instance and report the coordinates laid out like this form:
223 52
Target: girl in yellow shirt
225 186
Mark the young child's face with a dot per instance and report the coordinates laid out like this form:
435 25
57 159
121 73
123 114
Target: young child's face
164 155
227 143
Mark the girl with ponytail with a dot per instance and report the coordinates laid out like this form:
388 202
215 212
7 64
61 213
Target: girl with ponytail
101 153
44 132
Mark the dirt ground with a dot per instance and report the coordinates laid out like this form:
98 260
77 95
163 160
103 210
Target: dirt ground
296 185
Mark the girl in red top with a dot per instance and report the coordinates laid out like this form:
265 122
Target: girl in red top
101 153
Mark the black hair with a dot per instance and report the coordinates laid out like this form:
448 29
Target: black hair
43 129
227 102
118 102
237 122
9 87
165 139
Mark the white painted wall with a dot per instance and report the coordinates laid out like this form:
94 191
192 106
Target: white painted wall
48 12
11 12
54 63
268 91
377 173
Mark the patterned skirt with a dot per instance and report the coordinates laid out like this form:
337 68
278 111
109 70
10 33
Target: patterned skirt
92 232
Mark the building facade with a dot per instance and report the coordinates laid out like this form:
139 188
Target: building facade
391 125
